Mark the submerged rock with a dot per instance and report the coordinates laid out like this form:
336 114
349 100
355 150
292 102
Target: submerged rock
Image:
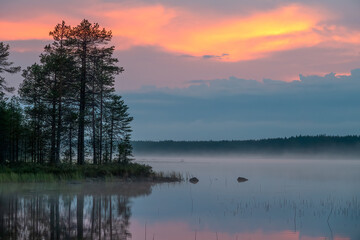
194 180
241 179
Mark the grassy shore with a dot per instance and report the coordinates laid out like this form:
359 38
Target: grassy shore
31 172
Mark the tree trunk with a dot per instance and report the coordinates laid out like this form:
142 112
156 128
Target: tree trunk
53 126
101 124
93 122
81 154
59 126
70 141
111 138
53 132
17 148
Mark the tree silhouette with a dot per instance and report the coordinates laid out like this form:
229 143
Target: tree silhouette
84 39
118 128
71 90
34 96
5 66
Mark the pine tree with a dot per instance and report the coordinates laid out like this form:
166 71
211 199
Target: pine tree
72 90
118 128
4 130
60 69
125 150
83 39
5 66
33 95
102 85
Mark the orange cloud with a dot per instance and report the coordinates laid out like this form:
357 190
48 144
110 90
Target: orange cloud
240 38
180 31
141 25
250 37
23 31
36 28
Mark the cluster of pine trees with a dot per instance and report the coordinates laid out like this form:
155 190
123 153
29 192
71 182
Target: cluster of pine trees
66 109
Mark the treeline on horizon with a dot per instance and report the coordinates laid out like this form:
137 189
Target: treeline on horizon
66 109
299 145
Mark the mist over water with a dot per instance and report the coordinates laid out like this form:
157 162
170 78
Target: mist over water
283 199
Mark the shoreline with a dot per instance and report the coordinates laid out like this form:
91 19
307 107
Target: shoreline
114 172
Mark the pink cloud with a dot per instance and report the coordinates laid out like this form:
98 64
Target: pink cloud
181 31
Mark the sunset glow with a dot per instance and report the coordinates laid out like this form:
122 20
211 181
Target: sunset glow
180 120
10 31
171 43
249 37
181 31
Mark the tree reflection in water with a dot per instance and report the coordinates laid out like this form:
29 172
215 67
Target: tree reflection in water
81 211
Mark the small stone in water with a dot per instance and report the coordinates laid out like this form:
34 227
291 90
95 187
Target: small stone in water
241 179
194 180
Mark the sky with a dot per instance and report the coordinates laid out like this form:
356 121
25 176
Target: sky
209 69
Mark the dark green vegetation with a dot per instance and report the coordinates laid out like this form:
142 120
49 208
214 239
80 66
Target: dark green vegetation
347 146
67 111
34 172
67 122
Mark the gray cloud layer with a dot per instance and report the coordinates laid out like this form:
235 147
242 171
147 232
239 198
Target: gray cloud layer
241 109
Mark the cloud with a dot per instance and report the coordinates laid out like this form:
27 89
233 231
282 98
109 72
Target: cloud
219 57
235 86
236 108
183 31
27 46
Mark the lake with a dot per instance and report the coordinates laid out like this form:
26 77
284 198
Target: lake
306 199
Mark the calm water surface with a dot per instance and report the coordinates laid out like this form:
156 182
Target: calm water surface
283 199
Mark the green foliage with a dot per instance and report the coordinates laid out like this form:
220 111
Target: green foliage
68 106
12 129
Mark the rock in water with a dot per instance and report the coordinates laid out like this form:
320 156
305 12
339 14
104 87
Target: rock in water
194 180
241 179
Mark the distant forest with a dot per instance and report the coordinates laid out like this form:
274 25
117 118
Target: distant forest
346 146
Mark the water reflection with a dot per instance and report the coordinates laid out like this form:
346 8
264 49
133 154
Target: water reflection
84 211
282 200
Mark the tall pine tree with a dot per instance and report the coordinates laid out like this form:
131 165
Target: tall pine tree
5 66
